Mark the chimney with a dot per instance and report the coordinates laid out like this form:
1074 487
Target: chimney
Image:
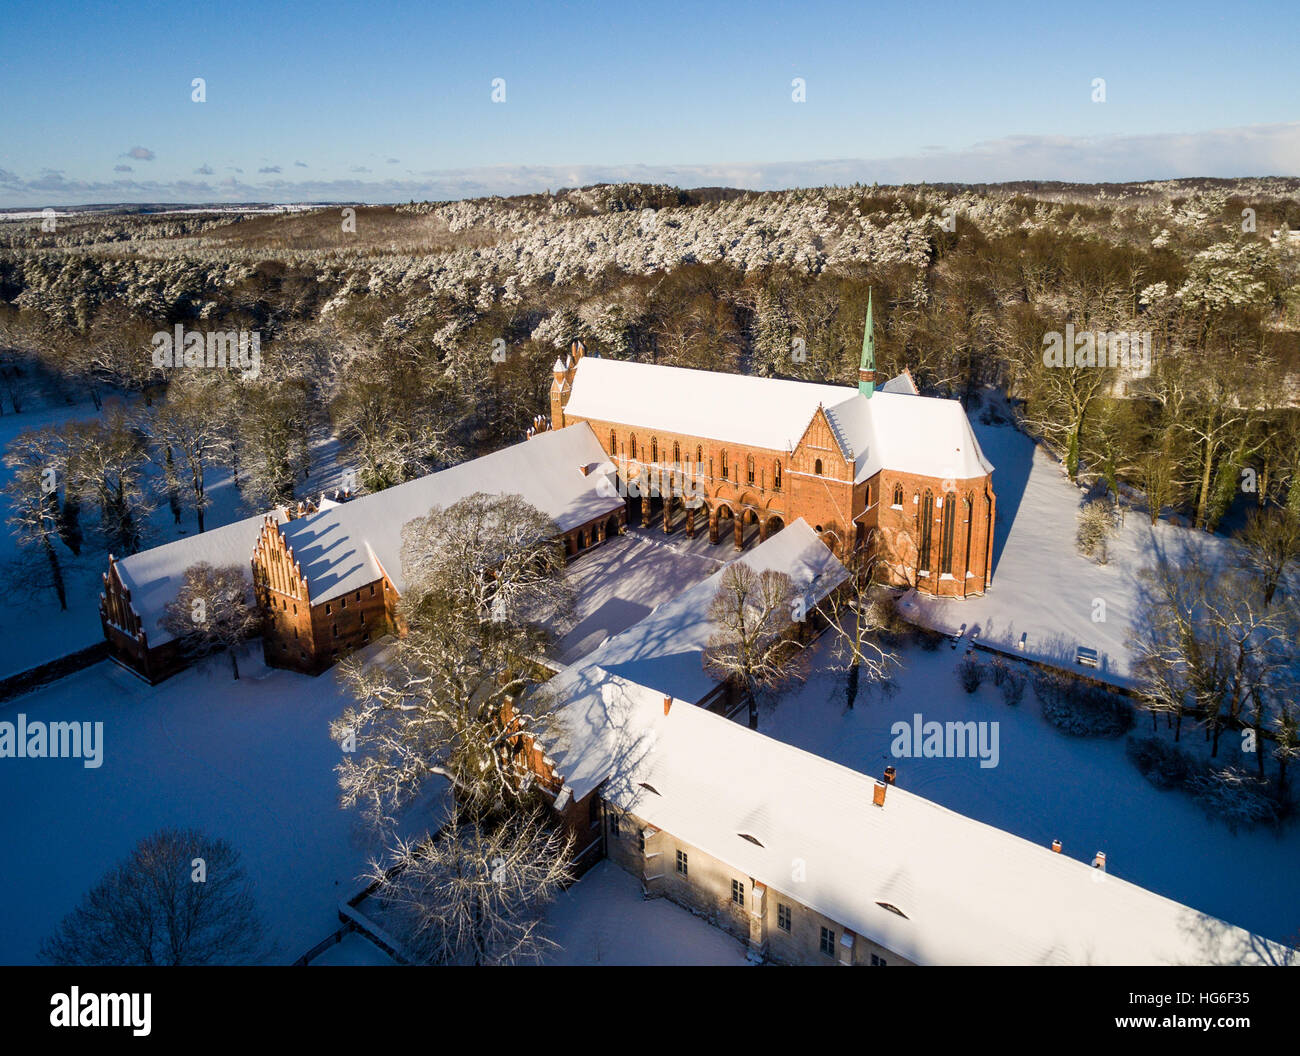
878 795
890 774
1100 861
1056 846
668 703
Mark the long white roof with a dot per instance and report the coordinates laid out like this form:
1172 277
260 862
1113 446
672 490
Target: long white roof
666 649
889 430
342 547
972 894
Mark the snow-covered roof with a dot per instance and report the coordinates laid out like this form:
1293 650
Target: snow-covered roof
970 893
902 383
666 649
907 434
895 430
154 576
562 472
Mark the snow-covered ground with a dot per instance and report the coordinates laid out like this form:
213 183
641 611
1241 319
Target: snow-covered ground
1047 785
250 761
605 919
1042 587
621 581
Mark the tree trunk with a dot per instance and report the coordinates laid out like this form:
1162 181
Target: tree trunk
57 573
234 662
851 690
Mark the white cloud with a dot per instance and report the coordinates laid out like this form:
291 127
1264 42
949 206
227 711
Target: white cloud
1258 150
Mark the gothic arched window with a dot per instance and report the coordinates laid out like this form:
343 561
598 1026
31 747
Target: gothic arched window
898 494
654 449
631 446
677 453
946 533
927 516
776 477
613 443
749 469
724 465
817 467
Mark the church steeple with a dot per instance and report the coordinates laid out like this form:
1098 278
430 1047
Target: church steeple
867 368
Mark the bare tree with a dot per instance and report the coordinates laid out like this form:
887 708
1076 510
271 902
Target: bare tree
753 614
32 491
454 698
1272 542
1208 644
107 459
180 898
493 558
195 423
859 617
213 610
475 892
392 423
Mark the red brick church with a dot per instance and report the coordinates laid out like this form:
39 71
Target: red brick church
875 467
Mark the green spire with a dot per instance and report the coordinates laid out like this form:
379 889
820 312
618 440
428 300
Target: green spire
867 368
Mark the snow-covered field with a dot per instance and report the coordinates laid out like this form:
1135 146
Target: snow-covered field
1047 785
1042 587
250 761
605 919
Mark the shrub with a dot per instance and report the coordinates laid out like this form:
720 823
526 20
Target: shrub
1164 764
1235 797
999 670
970 673
1081 710
1013 686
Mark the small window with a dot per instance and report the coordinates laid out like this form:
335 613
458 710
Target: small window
614 830
372 590
783 917
677 453
654 449
699 458
738 893
828 942
682 863
878 962
343 602
817 467
327 610
358 595
724 466
776 477
336 630
613 442
749 469
640 840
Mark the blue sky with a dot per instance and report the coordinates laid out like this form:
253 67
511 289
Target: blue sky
388 101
